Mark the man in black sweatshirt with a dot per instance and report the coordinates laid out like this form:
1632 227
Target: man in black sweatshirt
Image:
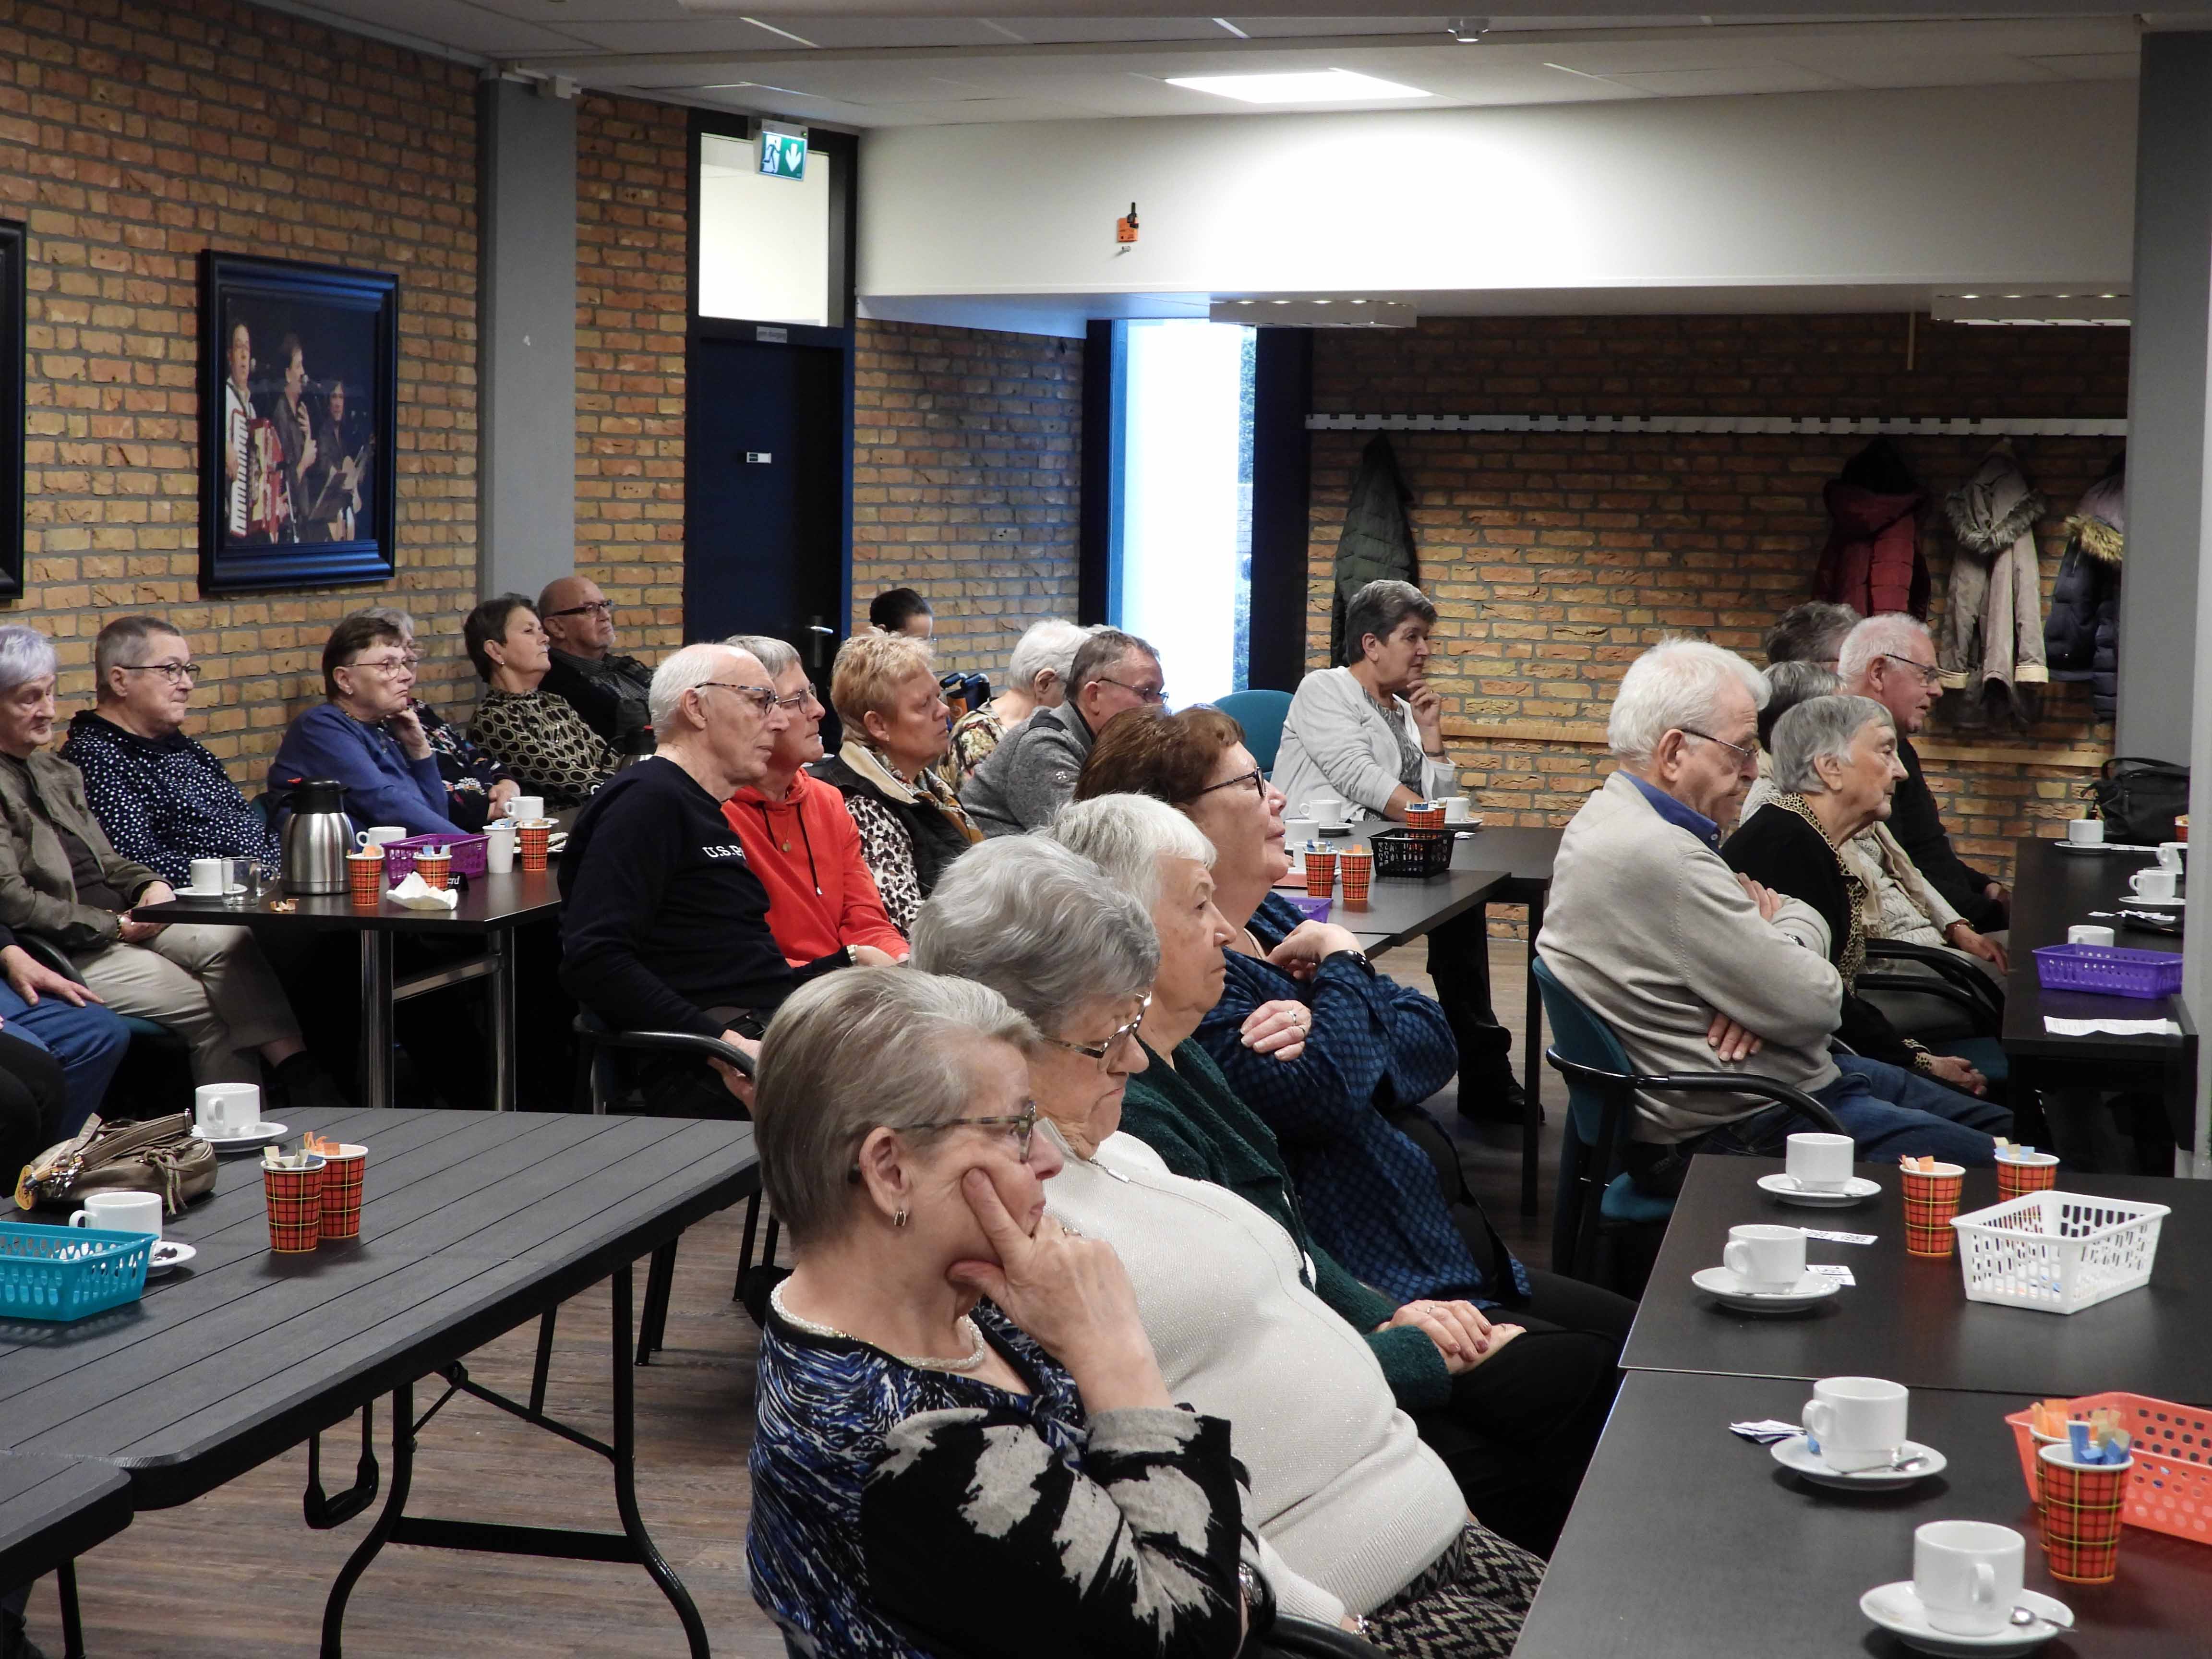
665 926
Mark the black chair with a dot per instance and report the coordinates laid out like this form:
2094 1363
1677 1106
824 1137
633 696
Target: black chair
1288 1638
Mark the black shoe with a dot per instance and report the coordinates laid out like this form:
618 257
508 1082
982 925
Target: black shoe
301 1084
1491 1103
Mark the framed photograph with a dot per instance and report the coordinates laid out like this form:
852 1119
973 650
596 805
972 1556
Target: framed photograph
299 386
13 253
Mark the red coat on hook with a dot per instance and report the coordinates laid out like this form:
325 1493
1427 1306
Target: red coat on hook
1872 562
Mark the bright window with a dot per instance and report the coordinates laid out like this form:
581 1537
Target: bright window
764 243
1183 555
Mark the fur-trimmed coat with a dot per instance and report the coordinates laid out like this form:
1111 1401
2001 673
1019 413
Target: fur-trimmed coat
2083 632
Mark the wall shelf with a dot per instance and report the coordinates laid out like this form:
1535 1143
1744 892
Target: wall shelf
1786 425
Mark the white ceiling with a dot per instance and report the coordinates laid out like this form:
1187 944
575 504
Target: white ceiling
817 61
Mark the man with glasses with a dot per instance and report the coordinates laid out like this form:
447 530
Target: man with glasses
1031 773
1891 658
612 692
163 798
1697 968
665 927
799 836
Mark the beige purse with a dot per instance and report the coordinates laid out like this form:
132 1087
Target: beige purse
160 1155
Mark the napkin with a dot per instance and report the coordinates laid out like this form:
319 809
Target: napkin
417 894
1766 1431
2110 1027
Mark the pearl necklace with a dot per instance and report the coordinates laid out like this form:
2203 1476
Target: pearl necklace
978 1349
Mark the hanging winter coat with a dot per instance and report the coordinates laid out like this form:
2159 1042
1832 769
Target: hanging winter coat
1993 624
1378 534
1872 562
2083 634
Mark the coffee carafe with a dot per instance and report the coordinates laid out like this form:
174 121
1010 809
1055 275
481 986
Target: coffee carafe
317 837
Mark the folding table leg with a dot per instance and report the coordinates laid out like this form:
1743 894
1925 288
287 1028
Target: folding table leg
376 1083
544 1365
72 1619
387 1518
625 1461
659 1280
1532 1062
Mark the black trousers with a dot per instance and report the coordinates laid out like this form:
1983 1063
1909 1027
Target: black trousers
1458 962
33 1101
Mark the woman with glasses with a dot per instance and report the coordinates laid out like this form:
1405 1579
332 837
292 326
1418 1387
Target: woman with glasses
963 1443
801 840
539 738
367 736
1250 1319
1327 1062
477 787
897 729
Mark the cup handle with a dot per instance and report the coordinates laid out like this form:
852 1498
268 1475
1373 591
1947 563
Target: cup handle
1735 1256
82 1218
1985 1584
1815 1418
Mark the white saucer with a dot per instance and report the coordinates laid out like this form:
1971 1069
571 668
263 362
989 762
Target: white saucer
167 1256
2140 898
261 1134
1856 1190
1797 1455
1722 1283
1897 1610
231 892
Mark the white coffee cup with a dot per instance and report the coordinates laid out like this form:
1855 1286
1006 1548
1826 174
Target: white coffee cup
1326 810
226 1109
2088 933
379 834
2153 882
499 848
1765 1258
1820 1163
1456 807
523 808
120 1212
2086 832
1859 1421
2173 855
1966 1574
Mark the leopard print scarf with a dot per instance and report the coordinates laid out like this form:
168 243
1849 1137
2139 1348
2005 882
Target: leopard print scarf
1853 958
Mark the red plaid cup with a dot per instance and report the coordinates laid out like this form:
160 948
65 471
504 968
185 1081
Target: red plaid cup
365 875
295 1206
1320 874
1356 865
2081 1505
1422 815
1931 1199
436 869
342 1181
2035 1173
532 840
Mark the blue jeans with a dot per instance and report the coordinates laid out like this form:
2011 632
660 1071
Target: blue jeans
89 1042
1888 1112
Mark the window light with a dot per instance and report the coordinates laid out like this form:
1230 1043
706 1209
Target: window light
1314 87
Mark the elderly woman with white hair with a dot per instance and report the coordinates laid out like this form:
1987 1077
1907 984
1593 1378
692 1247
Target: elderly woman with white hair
1251 1320
1835 765
963 1442
477 787
1037 679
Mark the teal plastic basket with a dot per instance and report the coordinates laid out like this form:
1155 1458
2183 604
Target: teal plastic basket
67 1272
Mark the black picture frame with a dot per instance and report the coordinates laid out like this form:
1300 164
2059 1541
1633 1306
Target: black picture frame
316 506
14 252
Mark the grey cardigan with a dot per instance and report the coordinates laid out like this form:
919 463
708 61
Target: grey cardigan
1030 775
1649 927
1335 742
37 894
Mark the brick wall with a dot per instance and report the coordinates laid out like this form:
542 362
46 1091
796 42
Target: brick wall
632 202
960 436
1556 558
133 135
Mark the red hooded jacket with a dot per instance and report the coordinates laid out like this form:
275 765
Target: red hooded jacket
806 848
1872 562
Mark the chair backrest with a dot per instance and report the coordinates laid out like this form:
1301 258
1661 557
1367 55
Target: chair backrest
1581 1036
1262 713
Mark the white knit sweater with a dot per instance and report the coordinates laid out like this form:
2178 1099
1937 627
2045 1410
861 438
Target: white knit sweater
1343 1490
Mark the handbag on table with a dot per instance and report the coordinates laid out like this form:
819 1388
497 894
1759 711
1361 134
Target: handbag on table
160 1155
2139 799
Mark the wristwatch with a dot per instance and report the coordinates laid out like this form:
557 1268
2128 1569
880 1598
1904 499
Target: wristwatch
1359 956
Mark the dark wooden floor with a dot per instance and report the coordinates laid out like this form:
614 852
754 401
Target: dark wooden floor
237 1573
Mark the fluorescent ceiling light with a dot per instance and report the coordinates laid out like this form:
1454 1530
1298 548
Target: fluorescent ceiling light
1315 87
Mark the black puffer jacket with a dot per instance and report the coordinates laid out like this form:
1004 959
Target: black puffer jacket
2081 637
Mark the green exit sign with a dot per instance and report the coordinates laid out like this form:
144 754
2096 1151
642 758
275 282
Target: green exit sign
783 153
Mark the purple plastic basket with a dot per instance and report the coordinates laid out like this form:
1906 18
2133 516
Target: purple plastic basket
2108 971
1314 908
468 851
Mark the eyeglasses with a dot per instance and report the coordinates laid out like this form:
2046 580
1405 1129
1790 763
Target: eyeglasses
177 673
1929 677
805 694
384 664
602 607
1104 1051
1255 777
1024 1124
1153 694
1746 757
762 697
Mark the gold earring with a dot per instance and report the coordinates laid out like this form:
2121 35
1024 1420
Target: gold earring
898 1217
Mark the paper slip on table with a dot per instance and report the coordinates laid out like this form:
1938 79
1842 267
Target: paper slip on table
1907 1318
1688 1543
492 906
474 1222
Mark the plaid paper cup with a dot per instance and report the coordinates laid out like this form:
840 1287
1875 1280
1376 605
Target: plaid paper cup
342 1180
1423 815
1320 874
365 875
1356 865
2035 1173
436 869
1931 1199
2081 1505
295 1206
531 839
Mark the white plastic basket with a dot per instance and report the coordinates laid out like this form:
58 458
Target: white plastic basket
2057 1251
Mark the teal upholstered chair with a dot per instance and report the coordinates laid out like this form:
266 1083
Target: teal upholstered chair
1262 713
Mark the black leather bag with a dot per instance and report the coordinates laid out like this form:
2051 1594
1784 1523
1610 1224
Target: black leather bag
2139 799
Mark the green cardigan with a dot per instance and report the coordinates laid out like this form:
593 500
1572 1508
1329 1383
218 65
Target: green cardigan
1190 1116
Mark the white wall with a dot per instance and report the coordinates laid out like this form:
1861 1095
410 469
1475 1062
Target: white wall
1928 187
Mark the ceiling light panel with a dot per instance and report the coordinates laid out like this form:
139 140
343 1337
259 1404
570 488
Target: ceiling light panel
1333 86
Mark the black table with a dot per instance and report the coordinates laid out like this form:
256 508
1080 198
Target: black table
2051 891
473 1224
491 906
1689 1543
52 1509
1907 1317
